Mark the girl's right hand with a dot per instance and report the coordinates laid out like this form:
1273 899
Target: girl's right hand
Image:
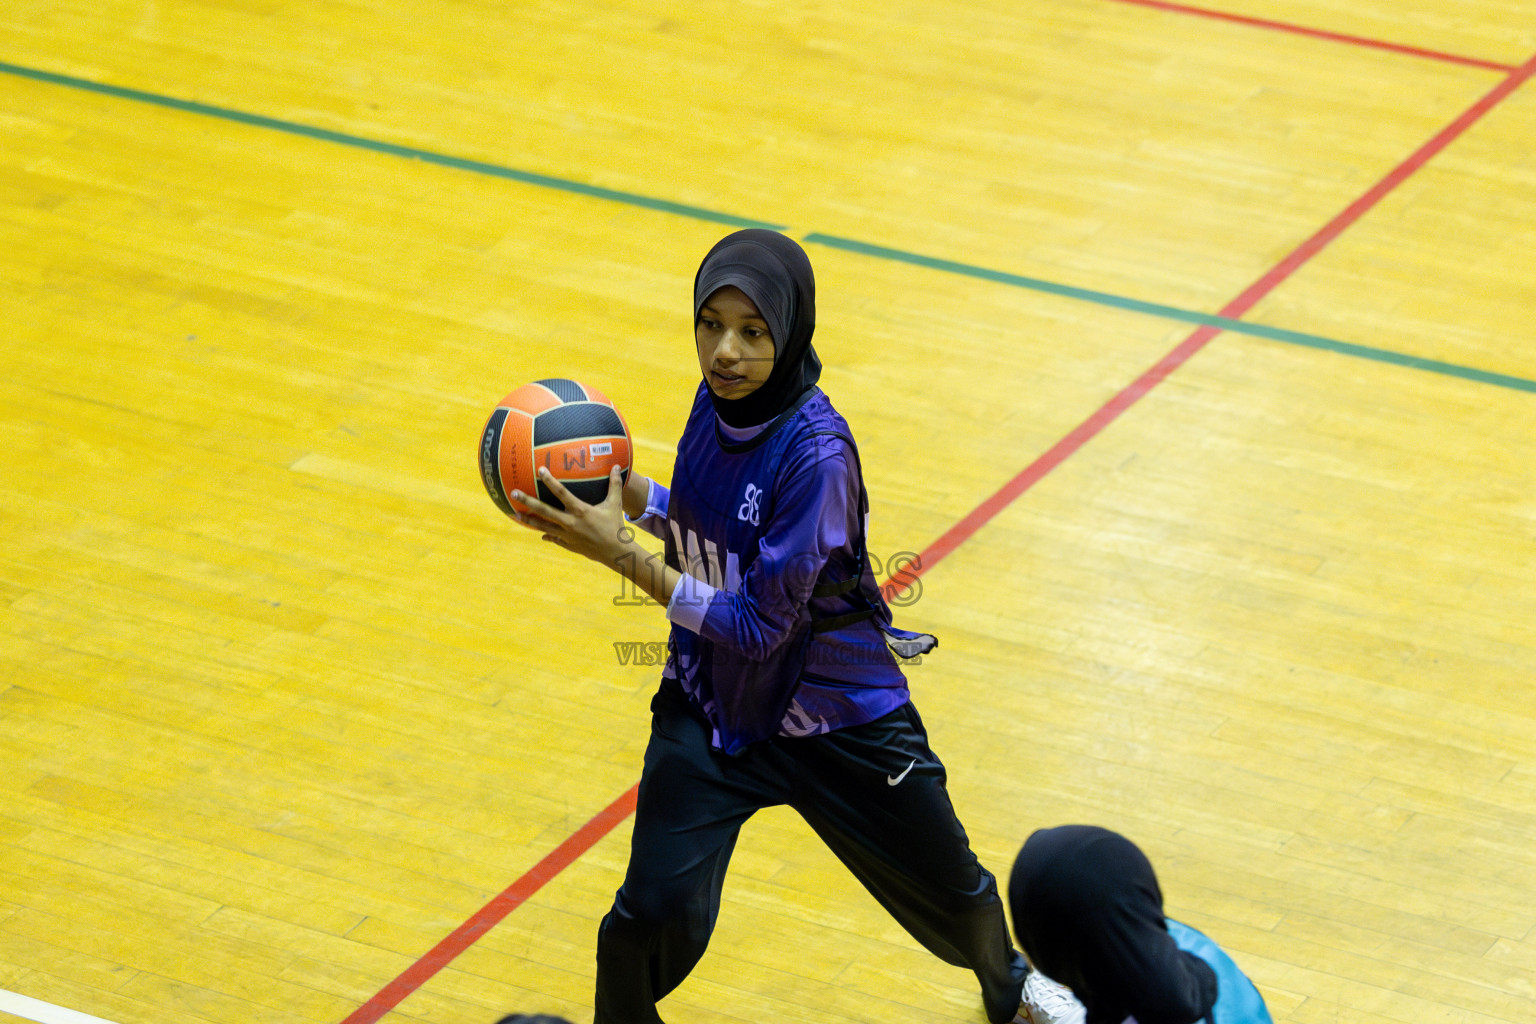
637 491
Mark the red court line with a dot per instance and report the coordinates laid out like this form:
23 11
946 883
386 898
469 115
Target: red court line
491 914
1089 428
609 818
1317 33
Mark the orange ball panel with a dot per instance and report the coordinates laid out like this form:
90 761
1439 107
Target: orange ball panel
516 456
588 458
531 398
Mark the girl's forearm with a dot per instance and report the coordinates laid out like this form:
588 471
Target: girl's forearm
649 572
637 491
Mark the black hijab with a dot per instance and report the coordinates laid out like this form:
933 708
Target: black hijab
1088 911
775 274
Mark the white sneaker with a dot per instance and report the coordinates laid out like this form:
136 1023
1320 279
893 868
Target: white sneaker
1049 1002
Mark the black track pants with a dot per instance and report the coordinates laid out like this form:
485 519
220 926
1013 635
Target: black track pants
874 793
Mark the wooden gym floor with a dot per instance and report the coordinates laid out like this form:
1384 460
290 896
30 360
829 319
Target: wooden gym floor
1193 348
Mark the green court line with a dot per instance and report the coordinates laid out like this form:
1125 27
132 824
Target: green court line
1379 355
815 238
1382 355
374 145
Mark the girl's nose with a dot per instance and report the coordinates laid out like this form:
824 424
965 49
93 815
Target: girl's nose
729 349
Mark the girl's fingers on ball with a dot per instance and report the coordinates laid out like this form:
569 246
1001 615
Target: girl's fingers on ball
558 488
536 508
532 518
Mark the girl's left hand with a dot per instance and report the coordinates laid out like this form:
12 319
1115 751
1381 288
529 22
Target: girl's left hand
598 532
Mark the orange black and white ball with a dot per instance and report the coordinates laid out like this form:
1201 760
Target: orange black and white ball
570 427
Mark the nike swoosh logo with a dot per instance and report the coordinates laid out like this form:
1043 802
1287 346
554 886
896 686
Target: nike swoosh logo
894 780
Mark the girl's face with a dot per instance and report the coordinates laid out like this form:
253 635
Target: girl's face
735 348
